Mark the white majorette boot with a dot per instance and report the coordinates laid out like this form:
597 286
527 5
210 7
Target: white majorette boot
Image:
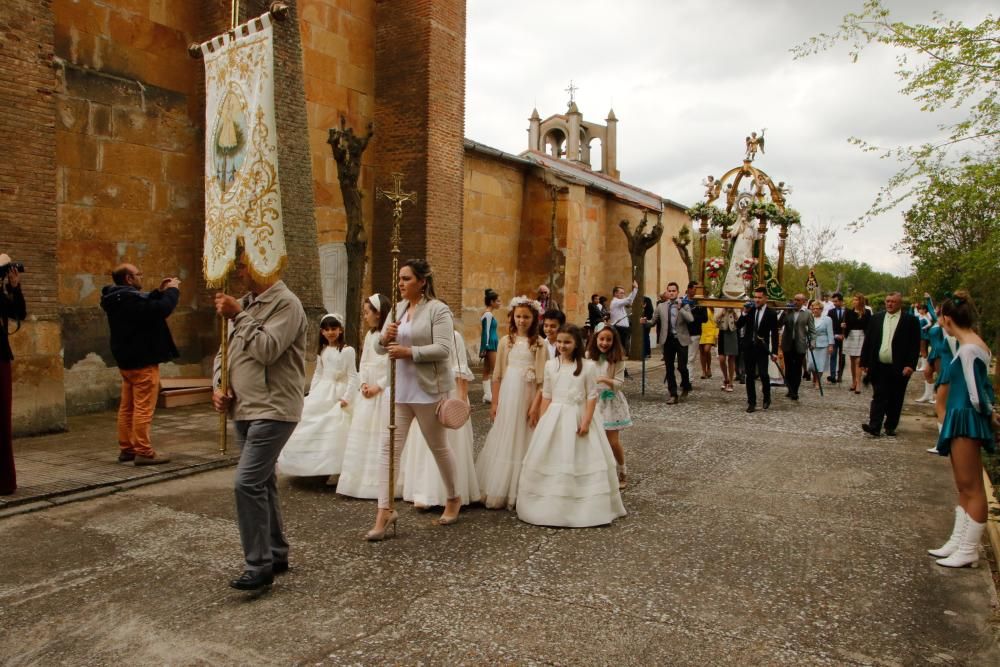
949 547
921 364
928 396
967 553
487 391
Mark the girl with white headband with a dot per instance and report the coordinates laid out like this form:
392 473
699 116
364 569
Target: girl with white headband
317 445
359 474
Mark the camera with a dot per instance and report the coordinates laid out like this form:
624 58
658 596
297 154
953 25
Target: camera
5 269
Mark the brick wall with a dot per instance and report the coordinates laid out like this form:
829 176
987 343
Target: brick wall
27 207
420 115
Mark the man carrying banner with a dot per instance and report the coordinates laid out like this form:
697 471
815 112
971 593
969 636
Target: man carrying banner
260 368
267 345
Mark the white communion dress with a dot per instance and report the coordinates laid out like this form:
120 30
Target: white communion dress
499 463
359 472
567 479
317 445
421 478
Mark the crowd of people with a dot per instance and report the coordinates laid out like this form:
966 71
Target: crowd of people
554 451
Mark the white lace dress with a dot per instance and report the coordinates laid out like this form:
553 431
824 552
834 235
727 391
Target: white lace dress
421 479
317 445
499 463
566 479
359 472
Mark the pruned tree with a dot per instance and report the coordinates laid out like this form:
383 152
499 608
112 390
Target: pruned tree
347 150
683 243
639 241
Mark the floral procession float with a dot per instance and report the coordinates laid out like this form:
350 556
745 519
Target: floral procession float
752 204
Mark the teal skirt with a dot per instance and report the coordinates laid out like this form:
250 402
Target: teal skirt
965 423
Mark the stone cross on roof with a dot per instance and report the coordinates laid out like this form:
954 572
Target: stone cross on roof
572 91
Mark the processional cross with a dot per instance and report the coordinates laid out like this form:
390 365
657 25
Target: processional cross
398 198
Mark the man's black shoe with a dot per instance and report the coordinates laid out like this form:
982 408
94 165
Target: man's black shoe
767 404
279 567
890 432
751 408
793 397
832 380
252 581
126 457
684 393
869 430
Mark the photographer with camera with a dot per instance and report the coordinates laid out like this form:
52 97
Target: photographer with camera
140 342
11 308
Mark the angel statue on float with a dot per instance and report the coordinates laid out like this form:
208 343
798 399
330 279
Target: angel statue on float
754 143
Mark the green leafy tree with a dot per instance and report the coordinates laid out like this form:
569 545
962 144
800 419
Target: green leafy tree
953 233
942 65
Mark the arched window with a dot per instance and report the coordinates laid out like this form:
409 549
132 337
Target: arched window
554 143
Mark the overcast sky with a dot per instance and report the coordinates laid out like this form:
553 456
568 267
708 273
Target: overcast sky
689 79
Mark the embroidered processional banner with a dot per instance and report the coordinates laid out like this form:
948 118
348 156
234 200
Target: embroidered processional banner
242 195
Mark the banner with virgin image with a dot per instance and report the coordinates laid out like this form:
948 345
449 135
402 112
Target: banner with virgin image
242 194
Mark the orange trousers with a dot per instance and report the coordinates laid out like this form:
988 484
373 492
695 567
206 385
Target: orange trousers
140 387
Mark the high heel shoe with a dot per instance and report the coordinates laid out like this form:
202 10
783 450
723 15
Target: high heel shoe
448 520
379 535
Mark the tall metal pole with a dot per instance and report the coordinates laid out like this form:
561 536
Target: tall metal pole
397 197
234 17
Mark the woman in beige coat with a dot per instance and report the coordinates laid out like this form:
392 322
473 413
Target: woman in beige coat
420 341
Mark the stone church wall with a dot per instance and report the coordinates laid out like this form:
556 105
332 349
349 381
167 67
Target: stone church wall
491 231
28 209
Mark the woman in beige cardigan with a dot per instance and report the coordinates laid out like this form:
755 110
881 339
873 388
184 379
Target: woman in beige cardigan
420 341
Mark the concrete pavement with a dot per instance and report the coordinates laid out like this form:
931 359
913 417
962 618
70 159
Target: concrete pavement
782 537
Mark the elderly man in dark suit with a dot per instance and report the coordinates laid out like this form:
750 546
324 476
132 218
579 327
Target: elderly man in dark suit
760 345
889 356
796 339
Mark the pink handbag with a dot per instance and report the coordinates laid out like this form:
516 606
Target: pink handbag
453 413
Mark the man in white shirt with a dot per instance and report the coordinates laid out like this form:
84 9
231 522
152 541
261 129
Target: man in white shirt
619 312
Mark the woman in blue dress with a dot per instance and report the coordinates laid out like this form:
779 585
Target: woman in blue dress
488 342
822 345
968 426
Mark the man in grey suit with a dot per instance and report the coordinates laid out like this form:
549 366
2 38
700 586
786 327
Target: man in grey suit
796 340
673 317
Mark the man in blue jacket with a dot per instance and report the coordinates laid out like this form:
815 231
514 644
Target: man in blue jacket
140 342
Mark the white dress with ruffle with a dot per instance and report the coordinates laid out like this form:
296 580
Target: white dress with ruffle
359 473
567 479
317 444
421 478
499 463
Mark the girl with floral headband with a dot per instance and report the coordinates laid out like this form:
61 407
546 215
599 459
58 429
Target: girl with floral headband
517 378
317 444
359 473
